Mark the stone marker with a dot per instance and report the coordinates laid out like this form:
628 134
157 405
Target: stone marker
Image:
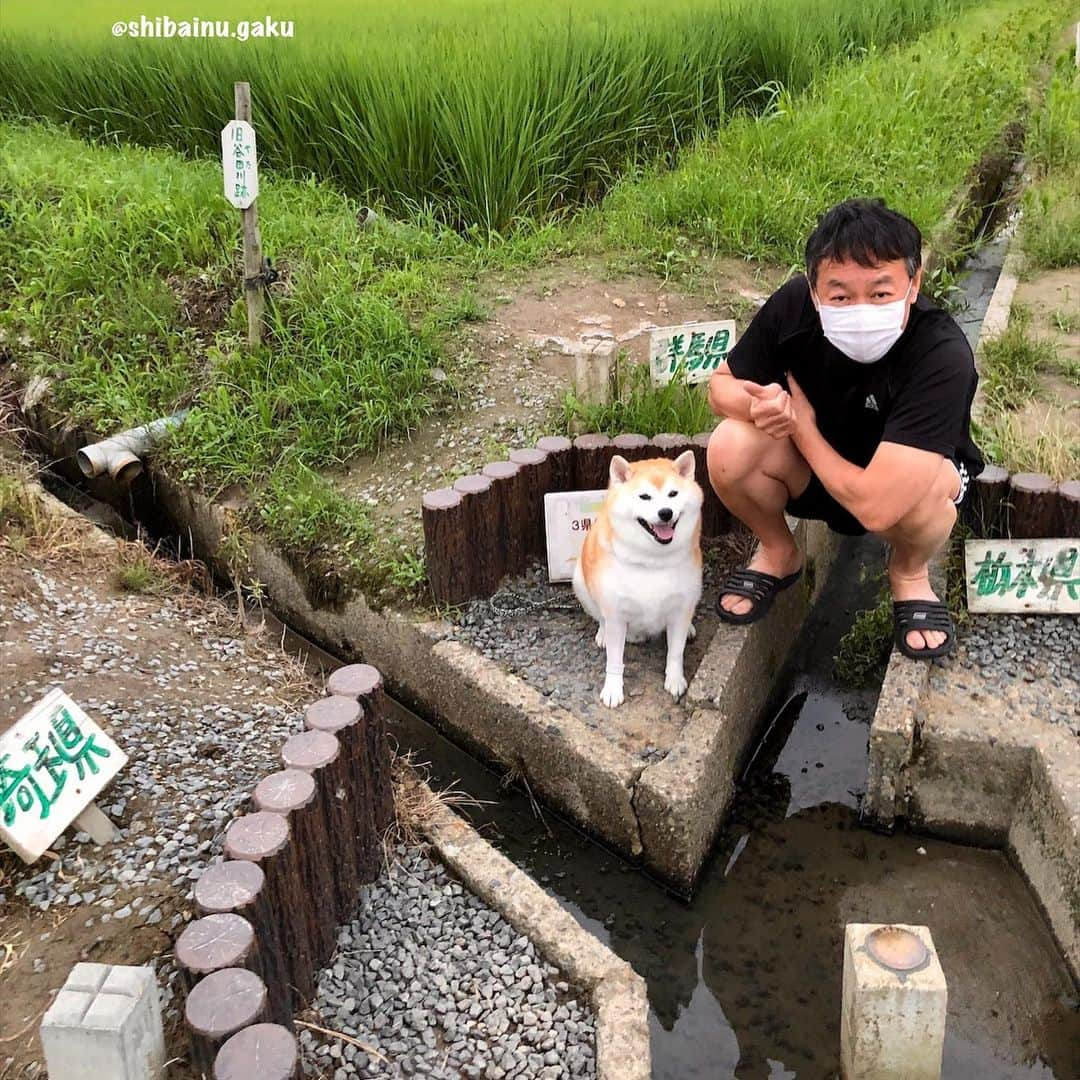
892 1022
105 1022
259 1052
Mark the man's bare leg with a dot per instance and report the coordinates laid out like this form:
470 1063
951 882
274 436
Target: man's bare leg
754 475
915 539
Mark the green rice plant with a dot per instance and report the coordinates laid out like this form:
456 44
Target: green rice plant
638 406
1051 223
488 114
907 125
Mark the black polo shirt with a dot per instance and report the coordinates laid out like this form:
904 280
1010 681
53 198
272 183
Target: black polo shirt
918 394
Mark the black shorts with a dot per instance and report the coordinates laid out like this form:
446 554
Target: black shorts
817 504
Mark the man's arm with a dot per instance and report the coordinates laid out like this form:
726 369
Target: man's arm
881 494
728 395
768 408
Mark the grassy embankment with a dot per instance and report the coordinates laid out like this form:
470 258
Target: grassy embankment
488 114
119 271
1021 365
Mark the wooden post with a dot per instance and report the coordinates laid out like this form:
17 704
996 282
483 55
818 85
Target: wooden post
446 545
511 520
989 505
259 1052
486 555
592 460
715 518
631 446
670 445
254 294
536 472
560 452
1033 506
221 1005
215 942
1069 507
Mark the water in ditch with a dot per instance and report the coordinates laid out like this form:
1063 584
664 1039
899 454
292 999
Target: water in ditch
744 980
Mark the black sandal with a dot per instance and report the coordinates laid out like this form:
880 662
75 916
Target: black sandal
921 615
756 586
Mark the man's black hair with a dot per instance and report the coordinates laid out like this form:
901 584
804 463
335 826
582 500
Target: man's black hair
864 231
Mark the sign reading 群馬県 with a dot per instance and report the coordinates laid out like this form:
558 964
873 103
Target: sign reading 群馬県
568 516
696 349
1029 576
54 762
239 164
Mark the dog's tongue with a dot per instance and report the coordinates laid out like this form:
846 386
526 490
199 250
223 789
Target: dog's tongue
662 531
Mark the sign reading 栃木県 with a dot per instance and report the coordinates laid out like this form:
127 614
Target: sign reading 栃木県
239 164
696 349
53 764
1030 576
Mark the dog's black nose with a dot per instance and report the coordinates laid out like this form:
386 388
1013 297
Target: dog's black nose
665 514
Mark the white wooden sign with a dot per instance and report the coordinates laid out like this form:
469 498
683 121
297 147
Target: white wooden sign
568 516
53 764
1031 576
697 348
239 164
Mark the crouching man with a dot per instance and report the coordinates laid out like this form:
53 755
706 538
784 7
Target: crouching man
848 400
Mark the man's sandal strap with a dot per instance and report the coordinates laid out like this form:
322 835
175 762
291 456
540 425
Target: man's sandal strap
922 615
757 587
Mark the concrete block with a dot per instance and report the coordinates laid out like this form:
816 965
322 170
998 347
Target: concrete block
105 1022
893 1019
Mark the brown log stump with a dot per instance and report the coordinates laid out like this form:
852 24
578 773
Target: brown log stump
222 1004
215 942
1033 506
670 445
365 683
486 565
295 795
237 886
536 469
715 518
631 446
1069 509
510 496
263 838
345 718
560 452
988 509
592 462
447 551
259 1052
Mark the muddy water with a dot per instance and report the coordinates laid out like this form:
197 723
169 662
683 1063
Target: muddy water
744 980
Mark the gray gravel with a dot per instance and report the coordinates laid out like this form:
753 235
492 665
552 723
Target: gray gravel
442 986
1031 662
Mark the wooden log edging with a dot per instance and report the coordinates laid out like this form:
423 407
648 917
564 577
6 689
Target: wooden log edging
1024 506
488 526
291 875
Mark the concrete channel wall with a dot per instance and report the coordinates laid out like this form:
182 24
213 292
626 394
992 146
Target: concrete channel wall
664 814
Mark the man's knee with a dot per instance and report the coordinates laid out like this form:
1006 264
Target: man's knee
736 449
933 515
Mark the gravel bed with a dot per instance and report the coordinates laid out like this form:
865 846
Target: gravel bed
442 986
1028 661
196 710
538 631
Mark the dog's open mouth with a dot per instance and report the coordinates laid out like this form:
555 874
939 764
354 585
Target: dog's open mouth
663 532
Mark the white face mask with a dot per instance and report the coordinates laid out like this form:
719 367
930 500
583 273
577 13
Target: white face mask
864 332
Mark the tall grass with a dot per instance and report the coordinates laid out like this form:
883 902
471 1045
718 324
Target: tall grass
906 125
487 113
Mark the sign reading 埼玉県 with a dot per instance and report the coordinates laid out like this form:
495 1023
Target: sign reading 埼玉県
53 764
568 516
239 164
1031 576
697 349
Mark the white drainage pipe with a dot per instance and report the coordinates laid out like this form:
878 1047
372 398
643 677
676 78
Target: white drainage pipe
120 455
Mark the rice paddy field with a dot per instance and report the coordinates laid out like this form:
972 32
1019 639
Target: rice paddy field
486 113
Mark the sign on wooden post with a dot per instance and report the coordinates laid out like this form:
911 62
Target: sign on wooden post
568 516
697 349
1029 576
240 167
53 764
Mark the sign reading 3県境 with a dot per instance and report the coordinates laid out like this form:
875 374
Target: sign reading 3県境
696 349
1029 576
568 516
54 762
239 163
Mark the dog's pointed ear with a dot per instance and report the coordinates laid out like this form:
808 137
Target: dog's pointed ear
619 471
685 464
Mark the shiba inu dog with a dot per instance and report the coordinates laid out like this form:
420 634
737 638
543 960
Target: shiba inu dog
639 573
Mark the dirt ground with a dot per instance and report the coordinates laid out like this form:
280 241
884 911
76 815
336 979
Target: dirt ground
199 705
